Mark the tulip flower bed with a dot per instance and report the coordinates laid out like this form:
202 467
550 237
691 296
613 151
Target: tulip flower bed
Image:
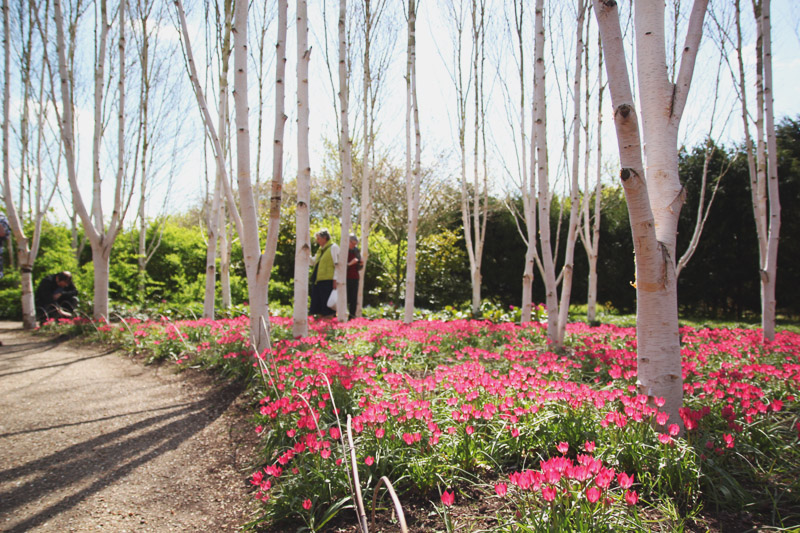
493 431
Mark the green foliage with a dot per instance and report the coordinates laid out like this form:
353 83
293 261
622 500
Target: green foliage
10 296
441 269
720 281
55 252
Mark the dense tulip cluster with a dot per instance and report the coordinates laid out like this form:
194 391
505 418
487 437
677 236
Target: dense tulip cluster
440 404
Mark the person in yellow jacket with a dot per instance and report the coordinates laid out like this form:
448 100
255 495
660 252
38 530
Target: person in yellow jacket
324 266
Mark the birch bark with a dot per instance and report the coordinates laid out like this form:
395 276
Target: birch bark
246 220
763 189
769 268
574 212
540 148
366 201
276 195
101 235
345 156
303 246
527 183
412 176
590 223
26 251
214 218
654 200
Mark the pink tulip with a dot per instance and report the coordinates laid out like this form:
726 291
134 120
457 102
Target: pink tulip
448 498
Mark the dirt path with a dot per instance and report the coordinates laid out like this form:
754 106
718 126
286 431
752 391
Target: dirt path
90 440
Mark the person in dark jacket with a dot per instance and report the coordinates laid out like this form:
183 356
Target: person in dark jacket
354 264
56 296
5 232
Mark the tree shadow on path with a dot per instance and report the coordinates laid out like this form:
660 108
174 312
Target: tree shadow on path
106 459
58 365
24 348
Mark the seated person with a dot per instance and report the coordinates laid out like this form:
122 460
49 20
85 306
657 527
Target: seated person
56 296
5 232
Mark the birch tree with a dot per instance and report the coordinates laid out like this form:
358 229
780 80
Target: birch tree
30 183
215 216
413 176
158 111
373 17
527 178
654 198
346 161
461 83
276 187
589 231
475 203
762 159
574 212
243 212
541 171
302 221
101 234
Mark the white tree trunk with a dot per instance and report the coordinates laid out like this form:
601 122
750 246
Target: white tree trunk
276 195
474 228
214 220
224 256
345 157
366 201
527 183
303 245
254 261
540 140
769 268
763 190
590 226
101 235
412 177
247 221
653 203
574 212
25 255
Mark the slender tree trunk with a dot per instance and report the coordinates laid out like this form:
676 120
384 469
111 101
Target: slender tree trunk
412 177
590 227
345 156
211 250
215 222
769 268
303 246
574 212
25 255
224 257
253 259
540 139
276 195
528 184
101 235
144 110
366 201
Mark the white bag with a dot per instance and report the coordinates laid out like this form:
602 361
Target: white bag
332 299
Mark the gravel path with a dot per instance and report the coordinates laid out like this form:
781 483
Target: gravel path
90 440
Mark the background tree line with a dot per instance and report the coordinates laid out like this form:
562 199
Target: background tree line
717 283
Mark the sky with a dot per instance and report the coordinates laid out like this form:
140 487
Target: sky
183 156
